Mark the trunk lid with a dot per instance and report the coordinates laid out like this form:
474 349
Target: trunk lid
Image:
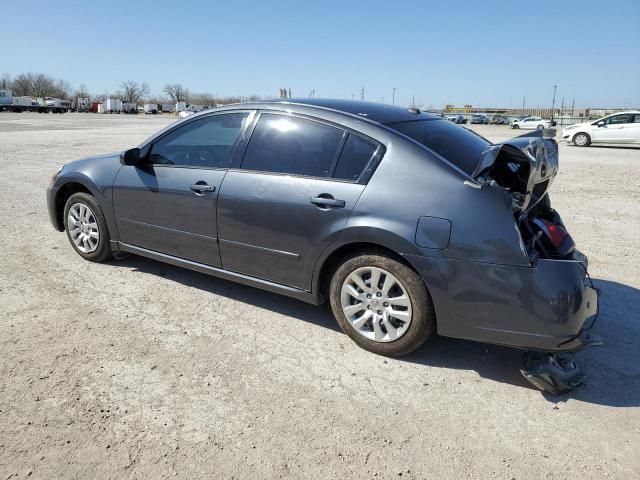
525 166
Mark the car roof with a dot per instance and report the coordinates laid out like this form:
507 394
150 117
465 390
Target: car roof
377 112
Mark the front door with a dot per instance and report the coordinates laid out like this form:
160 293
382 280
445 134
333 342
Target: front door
612 130
290 198
168 203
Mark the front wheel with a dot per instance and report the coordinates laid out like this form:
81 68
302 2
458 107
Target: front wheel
86 227
540 127
381 304
515 127
581 140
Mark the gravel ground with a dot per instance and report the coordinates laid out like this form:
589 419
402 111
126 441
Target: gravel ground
137 369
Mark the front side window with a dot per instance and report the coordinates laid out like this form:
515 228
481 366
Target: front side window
636 118
617 119
207 142
286 144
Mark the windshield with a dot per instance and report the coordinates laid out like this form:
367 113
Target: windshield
460 146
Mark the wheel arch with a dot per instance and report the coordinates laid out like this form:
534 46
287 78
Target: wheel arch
583 132
63 194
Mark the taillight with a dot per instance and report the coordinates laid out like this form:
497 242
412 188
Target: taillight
557 235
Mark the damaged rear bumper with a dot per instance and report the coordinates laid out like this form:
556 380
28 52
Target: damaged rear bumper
551 307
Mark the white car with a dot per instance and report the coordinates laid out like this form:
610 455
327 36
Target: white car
531 123
621 127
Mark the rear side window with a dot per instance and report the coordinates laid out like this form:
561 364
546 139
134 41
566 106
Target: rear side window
456 144
355 156
285 144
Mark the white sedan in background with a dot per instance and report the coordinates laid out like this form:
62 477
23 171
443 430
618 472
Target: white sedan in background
621 127
531 123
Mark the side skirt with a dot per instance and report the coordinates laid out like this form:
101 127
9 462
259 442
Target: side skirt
303 295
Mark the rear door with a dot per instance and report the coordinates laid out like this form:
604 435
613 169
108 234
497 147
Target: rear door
168 203
291 195
631 129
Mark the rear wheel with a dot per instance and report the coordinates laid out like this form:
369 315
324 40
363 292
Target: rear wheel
381 304
86 227
515 127
582 140
540 127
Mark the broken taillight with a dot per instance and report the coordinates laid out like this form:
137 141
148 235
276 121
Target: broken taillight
557 236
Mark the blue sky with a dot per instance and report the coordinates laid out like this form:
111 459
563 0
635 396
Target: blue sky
477 52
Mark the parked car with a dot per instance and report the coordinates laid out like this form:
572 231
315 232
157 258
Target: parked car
531 123
621 127
480 119
406 223
459 119
500 120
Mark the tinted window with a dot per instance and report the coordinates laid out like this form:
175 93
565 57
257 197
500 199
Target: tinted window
458 145
354 158
617 119
636 118
207 142
292 145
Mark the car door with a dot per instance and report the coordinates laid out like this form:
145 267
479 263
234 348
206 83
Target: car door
167 203
610 129
292 193
631 129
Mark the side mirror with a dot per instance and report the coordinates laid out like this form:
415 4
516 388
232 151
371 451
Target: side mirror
130 157
601 124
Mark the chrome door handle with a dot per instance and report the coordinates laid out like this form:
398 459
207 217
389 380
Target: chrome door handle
202 188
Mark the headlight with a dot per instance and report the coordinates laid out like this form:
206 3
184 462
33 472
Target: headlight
54 176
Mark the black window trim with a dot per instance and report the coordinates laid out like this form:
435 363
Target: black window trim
148 147
365 175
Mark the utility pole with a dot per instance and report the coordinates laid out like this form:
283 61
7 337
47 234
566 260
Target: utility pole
362 93
413 100
573 104
562 107
524 100
393 97
553 103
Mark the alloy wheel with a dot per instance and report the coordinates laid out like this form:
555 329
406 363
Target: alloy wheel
580 140
376 304
83 227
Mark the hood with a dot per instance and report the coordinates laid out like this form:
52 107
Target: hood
525 166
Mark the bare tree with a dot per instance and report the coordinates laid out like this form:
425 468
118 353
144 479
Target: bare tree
5 81
61 89
82 91
176 92
132 92
39 85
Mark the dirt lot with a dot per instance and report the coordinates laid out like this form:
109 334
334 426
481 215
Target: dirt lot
138 369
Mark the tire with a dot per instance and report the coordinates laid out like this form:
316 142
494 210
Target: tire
581 140
420 312
94 252
515 127
540 127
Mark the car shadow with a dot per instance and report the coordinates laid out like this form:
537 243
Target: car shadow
617 147
613 372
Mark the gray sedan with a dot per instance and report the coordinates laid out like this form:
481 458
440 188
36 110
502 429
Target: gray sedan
406 223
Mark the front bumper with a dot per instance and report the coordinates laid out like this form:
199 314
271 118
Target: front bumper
52 208
550 307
